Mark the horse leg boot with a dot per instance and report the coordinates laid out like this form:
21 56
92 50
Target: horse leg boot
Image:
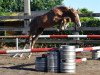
25 45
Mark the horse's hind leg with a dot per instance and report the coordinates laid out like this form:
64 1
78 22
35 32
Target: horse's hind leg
27 40
34 39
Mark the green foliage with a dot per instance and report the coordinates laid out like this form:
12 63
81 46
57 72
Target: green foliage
18 5
11 5
44 4
85 11
89 21
5 13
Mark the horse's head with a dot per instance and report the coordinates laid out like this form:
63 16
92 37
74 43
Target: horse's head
73 14
67 14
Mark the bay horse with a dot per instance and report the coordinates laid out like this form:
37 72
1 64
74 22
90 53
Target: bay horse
60 16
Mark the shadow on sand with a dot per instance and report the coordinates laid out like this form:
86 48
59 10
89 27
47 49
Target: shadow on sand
27 67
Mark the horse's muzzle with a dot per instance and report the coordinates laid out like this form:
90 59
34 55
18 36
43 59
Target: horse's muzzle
79 24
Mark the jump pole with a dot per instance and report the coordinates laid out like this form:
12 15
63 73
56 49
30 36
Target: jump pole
55 36
88 49
45 50
26 50
80 60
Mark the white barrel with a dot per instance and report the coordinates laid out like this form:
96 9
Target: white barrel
96 54
41 64
67 59
53 61
65 54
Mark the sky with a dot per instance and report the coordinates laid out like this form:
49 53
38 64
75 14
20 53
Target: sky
92 5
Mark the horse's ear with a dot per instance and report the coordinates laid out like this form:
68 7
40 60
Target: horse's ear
71 10
78 11
74 11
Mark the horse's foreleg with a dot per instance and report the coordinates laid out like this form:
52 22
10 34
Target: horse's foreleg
33 43
34 39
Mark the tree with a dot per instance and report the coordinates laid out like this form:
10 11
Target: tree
89 21
18 5
11 5
44 4
85 11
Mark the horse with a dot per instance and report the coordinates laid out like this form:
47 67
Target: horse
60 16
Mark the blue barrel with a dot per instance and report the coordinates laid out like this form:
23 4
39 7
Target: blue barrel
41 64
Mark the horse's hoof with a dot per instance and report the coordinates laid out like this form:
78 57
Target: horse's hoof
21 55
29 56
58 30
